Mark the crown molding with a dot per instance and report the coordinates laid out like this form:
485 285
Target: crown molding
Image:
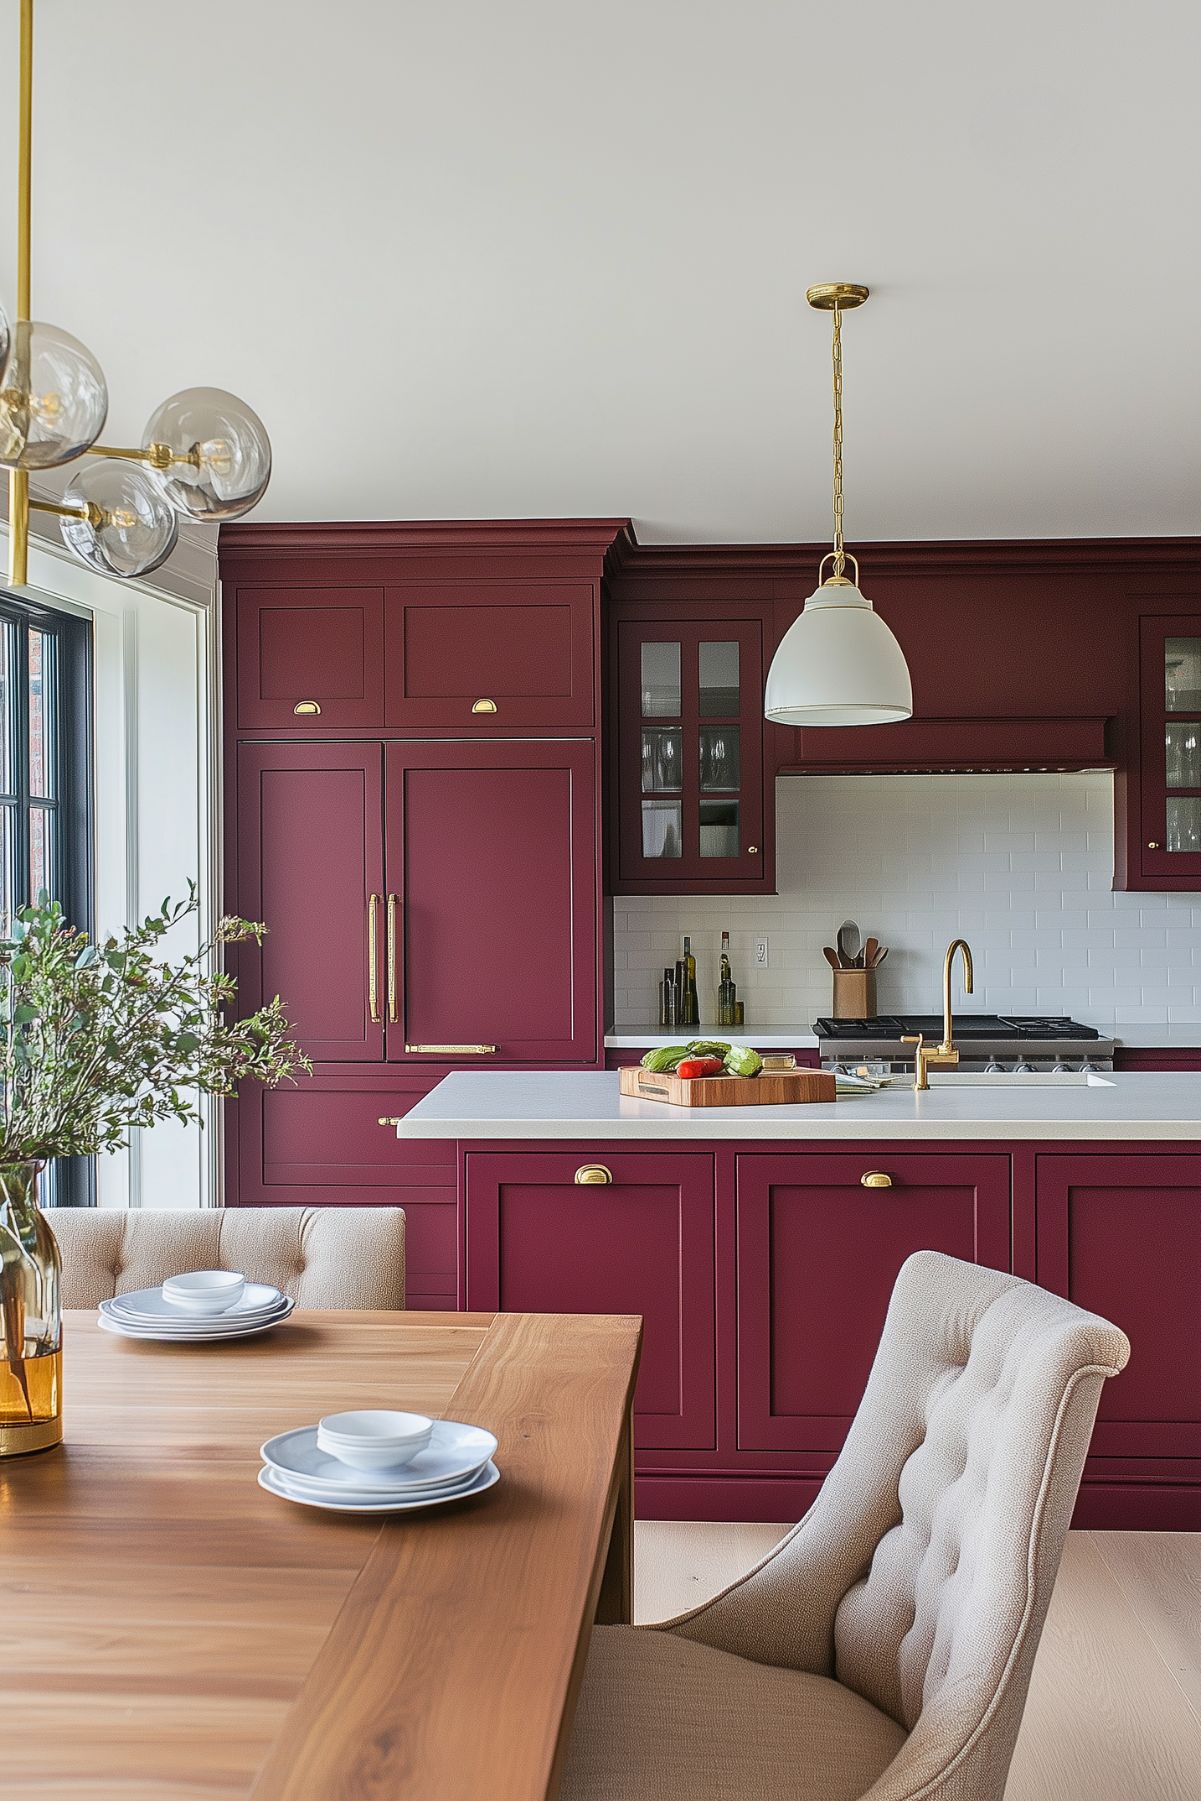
376 537
1148 556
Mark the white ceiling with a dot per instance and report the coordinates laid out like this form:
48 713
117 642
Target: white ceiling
489 258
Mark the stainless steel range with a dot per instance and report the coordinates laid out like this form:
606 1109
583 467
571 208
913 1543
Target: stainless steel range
985 1041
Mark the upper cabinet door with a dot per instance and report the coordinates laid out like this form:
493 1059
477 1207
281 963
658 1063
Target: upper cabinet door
492 902
692 799
490 657
310 864
1170 750
312 658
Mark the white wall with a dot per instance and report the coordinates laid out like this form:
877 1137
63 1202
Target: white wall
154 811
1020 865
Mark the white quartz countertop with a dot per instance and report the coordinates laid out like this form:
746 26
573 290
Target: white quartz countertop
587 1105
1138 1036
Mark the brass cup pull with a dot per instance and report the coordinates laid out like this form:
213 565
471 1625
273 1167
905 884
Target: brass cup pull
393 1121
593 1175
373 959
306 708
483 706
875 1178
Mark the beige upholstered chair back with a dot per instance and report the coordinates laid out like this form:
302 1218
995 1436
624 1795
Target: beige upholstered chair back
323 1256
921 1576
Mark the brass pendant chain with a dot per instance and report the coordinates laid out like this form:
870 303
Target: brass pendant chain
839 552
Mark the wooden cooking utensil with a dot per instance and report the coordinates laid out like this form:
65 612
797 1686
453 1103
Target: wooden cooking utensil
880 956
869 953
831 957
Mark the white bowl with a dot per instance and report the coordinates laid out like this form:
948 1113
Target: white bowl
374 1439
205 1291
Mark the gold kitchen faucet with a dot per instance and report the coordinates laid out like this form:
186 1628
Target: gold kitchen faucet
945 1056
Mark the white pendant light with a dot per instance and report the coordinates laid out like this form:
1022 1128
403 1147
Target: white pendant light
838 663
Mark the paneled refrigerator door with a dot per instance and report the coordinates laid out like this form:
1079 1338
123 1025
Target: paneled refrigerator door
492 903
310 864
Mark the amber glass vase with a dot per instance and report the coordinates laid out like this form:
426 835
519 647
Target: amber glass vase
31 1327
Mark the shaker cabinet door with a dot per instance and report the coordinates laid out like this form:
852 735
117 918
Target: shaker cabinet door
641 1242
818 1253
310 865
492 902
310 658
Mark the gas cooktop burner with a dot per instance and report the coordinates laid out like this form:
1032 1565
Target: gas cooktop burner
967 1025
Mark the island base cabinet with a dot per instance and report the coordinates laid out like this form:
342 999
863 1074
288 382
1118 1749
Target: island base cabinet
541 1238
819 1247
1121 1236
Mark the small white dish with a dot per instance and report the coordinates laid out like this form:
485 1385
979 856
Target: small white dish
374 1438
189 1331
205 1291
148 1306
275 1484
455 1453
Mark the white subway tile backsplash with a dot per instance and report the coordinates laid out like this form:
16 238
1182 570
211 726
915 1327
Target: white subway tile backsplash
1021 865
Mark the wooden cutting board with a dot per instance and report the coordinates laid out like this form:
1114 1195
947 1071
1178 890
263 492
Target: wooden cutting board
786 1087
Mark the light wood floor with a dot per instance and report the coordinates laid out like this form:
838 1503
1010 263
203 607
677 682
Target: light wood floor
1114 1712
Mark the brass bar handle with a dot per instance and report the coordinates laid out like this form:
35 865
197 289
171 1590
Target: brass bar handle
875 1178
392 1120
452 1050
393 904
593 1175
373 960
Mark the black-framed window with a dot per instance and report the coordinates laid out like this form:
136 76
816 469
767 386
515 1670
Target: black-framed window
46 791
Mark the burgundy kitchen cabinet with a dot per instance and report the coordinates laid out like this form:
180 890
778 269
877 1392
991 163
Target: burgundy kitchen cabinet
1120 1234
1127 1057
309 656
641 1242
1163 783
694 809
490 657
320 1143
310 862
818 1253
493 901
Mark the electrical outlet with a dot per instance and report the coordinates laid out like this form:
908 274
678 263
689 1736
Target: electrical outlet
761 957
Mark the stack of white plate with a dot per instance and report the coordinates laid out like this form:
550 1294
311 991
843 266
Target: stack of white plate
146 1313
456 1462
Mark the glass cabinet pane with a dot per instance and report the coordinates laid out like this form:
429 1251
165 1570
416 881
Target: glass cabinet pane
1184 824
719 828
721 758
660 681
1182 675
662 759
1183 743
719 680
662 828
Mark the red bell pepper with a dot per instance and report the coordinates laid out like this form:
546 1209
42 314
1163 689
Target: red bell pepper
700 1066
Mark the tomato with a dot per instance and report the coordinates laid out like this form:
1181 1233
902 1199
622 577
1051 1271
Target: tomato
700 1066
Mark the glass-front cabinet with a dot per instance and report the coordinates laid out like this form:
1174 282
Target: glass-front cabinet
1171 750
691 802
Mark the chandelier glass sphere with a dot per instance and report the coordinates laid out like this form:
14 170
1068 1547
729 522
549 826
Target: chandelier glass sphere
205 455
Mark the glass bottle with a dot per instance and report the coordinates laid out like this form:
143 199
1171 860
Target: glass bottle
692 1002
726 990
31 1356
667 1001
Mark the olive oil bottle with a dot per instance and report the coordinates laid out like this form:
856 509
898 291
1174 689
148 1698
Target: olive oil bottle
727 993
692 1005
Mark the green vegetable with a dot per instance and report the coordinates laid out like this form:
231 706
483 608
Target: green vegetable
708 1047
741 1060
664 1058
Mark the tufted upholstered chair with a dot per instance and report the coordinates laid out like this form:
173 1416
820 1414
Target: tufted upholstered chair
323 1256
883 1650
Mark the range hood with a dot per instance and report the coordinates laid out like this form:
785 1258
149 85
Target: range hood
949 746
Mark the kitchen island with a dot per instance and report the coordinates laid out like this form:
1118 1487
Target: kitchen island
761 1243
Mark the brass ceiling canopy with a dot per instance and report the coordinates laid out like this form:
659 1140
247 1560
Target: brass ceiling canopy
845 295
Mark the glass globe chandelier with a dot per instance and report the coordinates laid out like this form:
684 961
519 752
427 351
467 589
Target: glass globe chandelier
838 663
204 454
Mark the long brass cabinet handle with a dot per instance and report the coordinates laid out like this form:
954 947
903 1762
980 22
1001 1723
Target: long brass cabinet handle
373 959
391 1120
452 1050
593 1175
393 903
875 1178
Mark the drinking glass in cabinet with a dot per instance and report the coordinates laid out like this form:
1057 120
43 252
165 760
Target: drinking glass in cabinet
662 828
1182 675
719 828
661 680
1183 743
1184 824
662 748
721 757
719 679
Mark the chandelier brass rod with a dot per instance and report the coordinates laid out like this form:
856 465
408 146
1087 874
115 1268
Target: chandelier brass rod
18 479
62 512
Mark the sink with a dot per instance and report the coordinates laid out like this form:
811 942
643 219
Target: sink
1018 1078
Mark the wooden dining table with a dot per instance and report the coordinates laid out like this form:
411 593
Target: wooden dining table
171 1632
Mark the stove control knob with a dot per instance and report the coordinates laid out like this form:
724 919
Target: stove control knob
1023 1069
